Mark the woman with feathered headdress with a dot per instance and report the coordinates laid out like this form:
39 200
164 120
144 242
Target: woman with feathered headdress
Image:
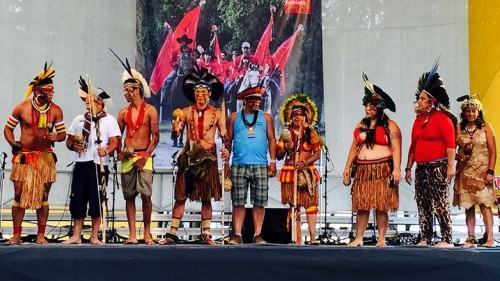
433 148
374 162
476 160
300 145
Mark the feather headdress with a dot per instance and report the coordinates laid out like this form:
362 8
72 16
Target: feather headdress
44 77
431 83
83 92
376 96
299 100
199 77
132 77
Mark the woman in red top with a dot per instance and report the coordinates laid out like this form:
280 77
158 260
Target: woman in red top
376 150
433 148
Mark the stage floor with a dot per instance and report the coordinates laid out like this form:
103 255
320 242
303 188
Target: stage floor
246 262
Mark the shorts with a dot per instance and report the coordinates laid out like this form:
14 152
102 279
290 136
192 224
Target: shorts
254 175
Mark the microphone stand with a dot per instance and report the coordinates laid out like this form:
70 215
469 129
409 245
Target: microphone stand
4 155
326 236
112 234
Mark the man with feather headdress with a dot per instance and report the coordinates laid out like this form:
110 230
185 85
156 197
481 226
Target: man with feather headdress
33 162
140 121
198 175
93 136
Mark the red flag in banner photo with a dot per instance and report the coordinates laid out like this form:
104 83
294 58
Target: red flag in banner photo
262 51
219 63
187 26
281 55
298 6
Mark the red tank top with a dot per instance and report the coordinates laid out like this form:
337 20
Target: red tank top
381 137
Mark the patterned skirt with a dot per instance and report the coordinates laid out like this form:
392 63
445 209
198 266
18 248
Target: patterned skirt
371 188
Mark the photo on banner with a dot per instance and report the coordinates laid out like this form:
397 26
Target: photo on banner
276 44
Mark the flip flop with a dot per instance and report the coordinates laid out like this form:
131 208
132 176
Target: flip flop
169 239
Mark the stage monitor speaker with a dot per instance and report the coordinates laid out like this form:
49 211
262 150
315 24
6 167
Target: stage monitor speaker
274 227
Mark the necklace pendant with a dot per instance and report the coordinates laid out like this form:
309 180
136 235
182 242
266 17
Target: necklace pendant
250 132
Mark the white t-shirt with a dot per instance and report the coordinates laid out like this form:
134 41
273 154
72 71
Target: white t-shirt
108 127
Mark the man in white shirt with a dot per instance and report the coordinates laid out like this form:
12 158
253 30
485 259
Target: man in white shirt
93 136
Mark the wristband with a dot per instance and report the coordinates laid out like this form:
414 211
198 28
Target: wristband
407 169
490 171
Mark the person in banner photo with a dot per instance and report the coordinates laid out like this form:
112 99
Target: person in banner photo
251 136
93 136
476 159
33 161
139 120
198 175
374 161
300 145
433 148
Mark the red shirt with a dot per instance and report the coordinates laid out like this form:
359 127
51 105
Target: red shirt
429 140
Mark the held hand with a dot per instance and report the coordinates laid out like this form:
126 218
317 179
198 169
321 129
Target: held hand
396 177
139 164
408 177
16 147
301 164
78 147
52 137
271 170
224 154
450 173
176 126
101 151
488 179
288 145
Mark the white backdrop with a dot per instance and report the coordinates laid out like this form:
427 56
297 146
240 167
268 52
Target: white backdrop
393 41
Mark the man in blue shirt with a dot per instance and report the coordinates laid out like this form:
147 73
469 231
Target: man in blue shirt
251 134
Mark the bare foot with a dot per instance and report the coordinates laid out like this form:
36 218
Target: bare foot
73 240
131 241
490 244
422 243
443 245
468 245
95 241
14 240
355 243
148 240
40 239
381 244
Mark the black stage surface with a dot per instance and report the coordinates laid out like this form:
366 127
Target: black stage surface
247 262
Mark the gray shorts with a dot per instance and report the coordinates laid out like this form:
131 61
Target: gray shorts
134 182
254 175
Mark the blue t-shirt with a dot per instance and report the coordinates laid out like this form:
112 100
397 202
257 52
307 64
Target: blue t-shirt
250 149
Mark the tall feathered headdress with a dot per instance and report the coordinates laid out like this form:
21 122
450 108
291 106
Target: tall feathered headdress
470 101
199 77
431 83
132 77
44 77
376 96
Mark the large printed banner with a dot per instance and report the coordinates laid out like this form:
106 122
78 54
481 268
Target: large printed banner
276 44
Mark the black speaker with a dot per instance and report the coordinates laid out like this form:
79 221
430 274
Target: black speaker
274 227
